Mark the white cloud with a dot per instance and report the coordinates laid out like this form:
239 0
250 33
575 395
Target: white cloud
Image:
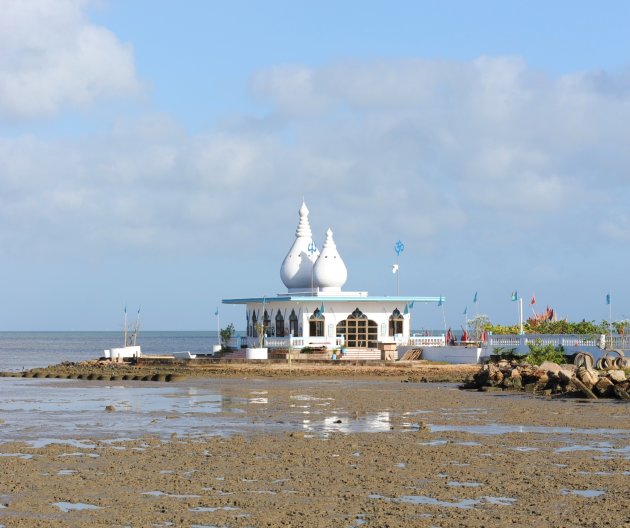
53 58
441 154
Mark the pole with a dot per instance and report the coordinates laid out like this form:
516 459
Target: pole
610 323
520 314
398 275
218 328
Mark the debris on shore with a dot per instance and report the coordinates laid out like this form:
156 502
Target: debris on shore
551 379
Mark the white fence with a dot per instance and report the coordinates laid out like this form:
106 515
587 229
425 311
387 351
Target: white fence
565 340
287 342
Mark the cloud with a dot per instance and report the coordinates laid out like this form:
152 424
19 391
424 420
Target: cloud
439 153
53 58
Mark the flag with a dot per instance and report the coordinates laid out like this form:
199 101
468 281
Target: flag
440 302
216 312
321 310
475 298
406 310
515 295
394 268
533 301
411 305
465 310
608 298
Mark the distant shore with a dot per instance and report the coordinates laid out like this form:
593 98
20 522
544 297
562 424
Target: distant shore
178 370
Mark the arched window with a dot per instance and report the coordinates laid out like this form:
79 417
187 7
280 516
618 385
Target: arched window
293 324
254 322
396 323
316 324
279 324
266 323
358 330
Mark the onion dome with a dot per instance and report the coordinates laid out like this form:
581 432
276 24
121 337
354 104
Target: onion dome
296 271
330 272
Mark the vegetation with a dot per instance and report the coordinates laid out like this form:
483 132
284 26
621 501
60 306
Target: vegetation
555 327
477 326
226 334
539 353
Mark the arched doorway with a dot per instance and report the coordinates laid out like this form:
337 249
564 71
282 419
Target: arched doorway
359 331
316 324
279 325
396 321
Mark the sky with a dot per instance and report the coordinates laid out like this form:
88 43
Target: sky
154 155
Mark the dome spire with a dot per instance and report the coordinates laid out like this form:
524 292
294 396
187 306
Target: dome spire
330 272
296 271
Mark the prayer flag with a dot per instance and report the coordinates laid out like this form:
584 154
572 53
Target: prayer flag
216 312
608 298
440 302
475 298
533 301
466 310
515 295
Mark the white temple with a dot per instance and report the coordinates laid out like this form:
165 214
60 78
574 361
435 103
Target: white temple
315 311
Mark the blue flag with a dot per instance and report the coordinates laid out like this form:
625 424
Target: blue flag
411 305
321 310
440 302
406 310
465 310
608 298
515 295
216 311
475 298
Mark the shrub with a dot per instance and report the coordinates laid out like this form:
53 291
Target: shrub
538 353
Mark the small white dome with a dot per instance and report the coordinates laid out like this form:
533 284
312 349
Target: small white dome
296 271
330 272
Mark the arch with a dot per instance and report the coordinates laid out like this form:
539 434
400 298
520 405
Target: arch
396 321
279 324
254 323
316 324
266 323
359 331
293 324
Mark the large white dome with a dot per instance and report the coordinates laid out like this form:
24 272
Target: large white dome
330 272
296 271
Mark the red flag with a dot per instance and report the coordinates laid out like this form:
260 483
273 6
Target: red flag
533 301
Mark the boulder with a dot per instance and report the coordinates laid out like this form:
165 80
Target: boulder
621 393
548 366
588 377
604 387
616 376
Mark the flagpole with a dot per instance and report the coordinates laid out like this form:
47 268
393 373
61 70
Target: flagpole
520 314
610 323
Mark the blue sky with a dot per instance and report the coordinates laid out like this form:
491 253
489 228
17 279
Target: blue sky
156 153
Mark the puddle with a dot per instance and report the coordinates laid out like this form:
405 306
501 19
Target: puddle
63 472
589 494
213 509
456 483
463 503
499 429
604 447
172 496
72 506
23 456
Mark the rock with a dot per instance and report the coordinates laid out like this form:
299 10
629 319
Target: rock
617 376
620 393
604 387
109 408
588 377
515 374
565 376
548 366
585 390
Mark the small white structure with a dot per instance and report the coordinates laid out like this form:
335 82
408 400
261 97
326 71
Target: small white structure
316 313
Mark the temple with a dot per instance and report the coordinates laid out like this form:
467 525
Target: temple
315 312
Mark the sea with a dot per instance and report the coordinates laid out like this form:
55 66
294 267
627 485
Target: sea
27 350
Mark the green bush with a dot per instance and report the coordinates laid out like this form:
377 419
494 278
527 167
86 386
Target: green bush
539 353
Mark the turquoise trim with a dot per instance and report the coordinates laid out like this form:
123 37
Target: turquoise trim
320 299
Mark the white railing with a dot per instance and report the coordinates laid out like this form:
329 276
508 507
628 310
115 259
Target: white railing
565 340
427 341
287 342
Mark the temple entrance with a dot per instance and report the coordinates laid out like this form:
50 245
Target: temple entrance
358 330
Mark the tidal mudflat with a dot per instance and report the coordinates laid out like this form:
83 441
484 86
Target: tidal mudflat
306 452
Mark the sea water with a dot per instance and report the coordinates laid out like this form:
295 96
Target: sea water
27 350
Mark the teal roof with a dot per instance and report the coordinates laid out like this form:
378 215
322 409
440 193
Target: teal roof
333 299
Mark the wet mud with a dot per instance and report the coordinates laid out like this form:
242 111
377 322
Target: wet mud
334 452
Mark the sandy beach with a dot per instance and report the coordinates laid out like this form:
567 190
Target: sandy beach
323 451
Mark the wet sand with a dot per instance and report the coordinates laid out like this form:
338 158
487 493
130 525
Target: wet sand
325 451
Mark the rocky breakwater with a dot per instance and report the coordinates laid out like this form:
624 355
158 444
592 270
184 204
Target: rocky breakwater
551 379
